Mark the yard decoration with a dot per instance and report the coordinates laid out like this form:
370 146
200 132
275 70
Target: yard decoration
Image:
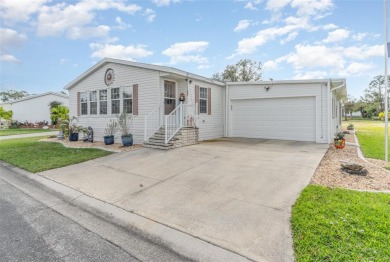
70 128
125 122
109 132
353 168
339 141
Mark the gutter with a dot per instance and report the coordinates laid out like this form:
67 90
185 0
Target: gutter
227 110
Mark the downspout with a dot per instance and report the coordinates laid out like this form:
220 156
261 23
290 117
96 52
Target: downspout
330 119
331 108
227 115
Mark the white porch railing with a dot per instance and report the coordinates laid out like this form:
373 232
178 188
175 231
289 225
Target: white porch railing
181 116
153 121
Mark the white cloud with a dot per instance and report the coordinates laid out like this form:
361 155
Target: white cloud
362 52
276 5
9 58
76 21
250 6
270 65
289 38
310 75
187 52
121 25
337 36
356 69
10 38
150 15
164 2
312 7
359 36
130 52
12 11
314 56
242 25
329 26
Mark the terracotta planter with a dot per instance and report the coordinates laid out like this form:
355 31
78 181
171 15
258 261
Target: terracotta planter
339 143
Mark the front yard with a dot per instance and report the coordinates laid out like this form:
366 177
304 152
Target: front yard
35 156
371 135
21 131
331 223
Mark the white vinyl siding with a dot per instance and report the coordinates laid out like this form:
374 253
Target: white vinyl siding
35 108
149 98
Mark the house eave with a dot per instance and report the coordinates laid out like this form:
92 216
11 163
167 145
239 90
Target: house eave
165 69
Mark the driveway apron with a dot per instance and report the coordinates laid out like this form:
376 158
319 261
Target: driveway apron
235 193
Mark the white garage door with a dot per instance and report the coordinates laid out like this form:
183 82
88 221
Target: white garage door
275 118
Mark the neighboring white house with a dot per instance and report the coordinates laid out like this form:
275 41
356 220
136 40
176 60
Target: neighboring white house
36 108
302 110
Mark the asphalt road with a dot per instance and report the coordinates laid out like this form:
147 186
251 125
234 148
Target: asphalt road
33 231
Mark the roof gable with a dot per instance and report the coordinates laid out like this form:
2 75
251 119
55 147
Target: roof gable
40 95
166 69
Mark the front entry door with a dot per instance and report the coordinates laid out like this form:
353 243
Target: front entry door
169 96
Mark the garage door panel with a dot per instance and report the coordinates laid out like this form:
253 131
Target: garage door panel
274 118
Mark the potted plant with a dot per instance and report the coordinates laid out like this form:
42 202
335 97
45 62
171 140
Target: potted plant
109 132
125 122
70 129
350 127
339 141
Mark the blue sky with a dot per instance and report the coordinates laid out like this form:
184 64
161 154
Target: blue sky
46 44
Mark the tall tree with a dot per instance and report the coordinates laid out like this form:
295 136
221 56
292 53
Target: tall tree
349 107
244 70
375 93
10 95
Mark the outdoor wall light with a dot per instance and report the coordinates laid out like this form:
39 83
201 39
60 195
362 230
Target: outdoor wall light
267 88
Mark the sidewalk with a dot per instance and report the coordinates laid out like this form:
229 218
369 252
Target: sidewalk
29 135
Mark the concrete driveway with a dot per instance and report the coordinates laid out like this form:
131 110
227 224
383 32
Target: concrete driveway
235 193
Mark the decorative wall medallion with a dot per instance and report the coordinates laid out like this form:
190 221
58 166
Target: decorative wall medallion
109 77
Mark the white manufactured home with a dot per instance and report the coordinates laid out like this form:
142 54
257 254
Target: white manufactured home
166 102
36 108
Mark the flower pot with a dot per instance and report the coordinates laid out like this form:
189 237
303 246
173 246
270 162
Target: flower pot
349 128
108 140
127 140
74 137
339 143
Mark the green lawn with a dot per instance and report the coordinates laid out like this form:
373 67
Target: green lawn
20 131
35 156
341 225
371 135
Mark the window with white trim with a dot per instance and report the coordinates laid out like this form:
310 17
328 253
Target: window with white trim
103 102
93 103
115 101
203 100
127 95
84 103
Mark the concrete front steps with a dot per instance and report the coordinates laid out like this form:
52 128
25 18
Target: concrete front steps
184 137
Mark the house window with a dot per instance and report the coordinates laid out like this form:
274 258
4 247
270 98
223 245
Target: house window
93 102
84 103
203 100
103 101
115 101
127 100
